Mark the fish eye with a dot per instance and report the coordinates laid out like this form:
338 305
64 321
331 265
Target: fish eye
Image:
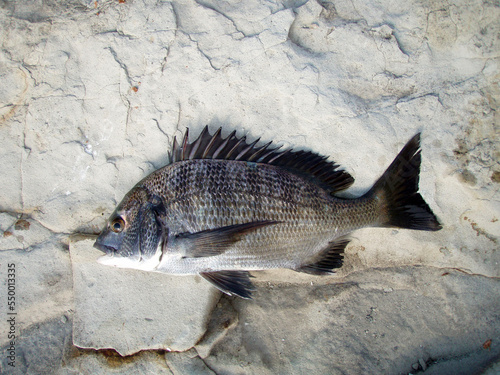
118 225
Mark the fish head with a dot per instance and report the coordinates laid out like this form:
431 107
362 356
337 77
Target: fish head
133 233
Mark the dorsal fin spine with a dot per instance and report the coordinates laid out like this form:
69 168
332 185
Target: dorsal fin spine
230 153
184 144
259 151
223 145
280 155
174 152
211 143
270 152
250 147
196 144
306 163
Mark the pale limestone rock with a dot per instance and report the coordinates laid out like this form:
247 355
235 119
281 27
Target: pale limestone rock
354 326
40 349
224 318
130 310
43 280
94 91
20 233
187 363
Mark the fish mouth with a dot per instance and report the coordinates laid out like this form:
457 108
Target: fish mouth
105 248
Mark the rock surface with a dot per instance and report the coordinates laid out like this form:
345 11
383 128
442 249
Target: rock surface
376 321
93 93
131 311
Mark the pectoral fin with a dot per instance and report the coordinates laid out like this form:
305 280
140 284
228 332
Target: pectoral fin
212 242
326 260
235 283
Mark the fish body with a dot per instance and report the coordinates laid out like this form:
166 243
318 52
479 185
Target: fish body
224 207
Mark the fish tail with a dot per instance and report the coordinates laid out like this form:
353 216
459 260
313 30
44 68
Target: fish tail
400 204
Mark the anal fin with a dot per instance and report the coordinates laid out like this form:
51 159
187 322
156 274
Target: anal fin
328 259
235 283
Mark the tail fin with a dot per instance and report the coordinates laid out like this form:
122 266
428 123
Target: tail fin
397 192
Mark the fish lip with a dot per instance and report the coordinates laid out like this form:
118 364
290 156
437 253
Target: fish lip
110 250
106 259
114 260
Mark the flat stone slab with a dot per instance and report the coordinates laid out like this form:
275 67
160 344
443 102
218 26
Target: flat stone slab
130 310
375 321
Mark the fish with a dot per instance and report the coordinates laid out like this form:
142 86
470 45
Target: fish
223 207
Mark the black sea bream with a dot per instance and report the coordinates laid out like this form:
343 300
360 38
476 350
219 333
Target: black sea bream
223 207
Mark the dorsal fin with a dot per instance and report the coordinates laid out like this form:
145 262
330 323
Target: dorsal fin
305 163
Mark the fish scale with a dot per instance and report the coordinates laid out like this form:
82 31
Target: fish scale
201 191
224 207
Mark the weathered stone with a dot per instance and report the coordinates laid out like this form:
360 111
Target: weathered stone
352 326
129 310
40 349
187 363
41 276
224 318
94 91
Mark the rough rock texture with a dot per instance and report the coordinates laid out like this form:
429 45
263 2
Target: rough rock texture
93 92
41 348
131 311
378 321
